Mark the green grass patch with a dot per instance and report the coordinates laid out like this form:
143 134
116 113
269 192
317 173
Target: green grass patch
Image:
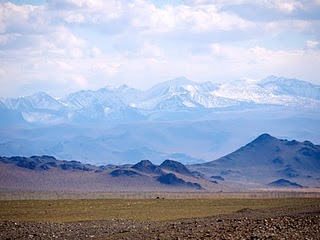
136 209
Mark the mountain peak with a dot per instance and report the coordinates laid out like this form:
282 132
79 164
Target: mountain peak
180 79
41 94
147 167
265 137
273 78
290 87
175 82
283 81
124 86
175 167
284 183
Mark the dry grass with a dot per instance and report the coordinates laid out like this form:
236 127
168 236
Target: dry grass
259 194
137 209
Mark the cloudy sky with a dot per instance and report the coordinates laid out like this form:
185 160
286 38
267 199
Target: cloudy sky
61 46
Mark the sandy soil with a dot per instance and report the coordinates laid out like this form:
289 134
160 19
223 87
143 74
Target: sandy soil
244 224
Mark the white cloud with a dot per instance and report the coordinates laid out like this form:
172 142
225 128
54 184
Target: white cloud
62 37
5 38
186 18
86 4
215 49
13 16
79 80
259 61
86 11
312 44
283 5
286 6
3 73
96 52
66 45
63 66
150 50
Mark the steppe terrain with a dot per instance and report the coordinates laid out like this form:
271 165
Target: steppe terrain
283 218
267 189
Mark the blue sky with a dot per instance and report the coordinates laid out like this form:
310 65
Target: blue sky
62 46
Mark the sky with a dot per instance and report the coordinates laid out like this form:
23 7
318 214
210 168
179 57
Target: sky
63 46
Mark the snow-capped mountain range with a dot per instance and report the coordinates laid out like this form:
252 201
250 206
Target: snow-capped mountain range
177 95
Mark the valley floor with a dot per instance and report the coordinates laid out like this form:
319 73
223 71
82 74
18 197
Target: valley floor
290 218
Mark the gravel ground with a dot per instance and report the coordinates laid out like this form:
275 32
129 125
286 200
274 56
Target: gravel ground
245 224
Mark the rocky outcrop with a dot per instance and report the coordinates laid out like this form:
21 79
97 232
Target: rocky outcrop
147 167
44 163
124 172
171 179
217 178
175 166
284 183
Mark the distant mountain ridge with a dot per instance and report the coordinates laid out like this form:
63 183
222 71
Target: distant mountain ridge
176 95
179 119
265 162
280 85
45 163
145 173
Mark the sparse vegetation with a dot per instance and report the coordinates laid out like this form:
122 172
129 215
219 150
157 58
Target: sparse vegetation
138 209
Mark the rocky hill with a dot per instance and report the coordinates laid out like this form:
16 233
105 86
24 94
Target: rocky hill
147 167
46 173
267 159
175 166
45 163
266 162
281 183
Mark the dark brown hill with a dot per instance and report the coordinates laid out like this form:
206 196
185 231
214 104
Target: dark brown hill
147 167
175 166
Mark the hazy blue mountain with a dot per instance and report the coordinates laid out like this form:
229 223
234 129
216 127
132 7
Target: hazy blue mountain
12 118
184 141
127 94
40 101
183 120
285 86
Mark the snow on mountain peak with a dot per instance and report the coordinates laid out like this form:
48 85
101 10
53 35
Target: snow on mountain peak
176 82
175 94
284 81
292 87
192 88
40 100
179 81
2 105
